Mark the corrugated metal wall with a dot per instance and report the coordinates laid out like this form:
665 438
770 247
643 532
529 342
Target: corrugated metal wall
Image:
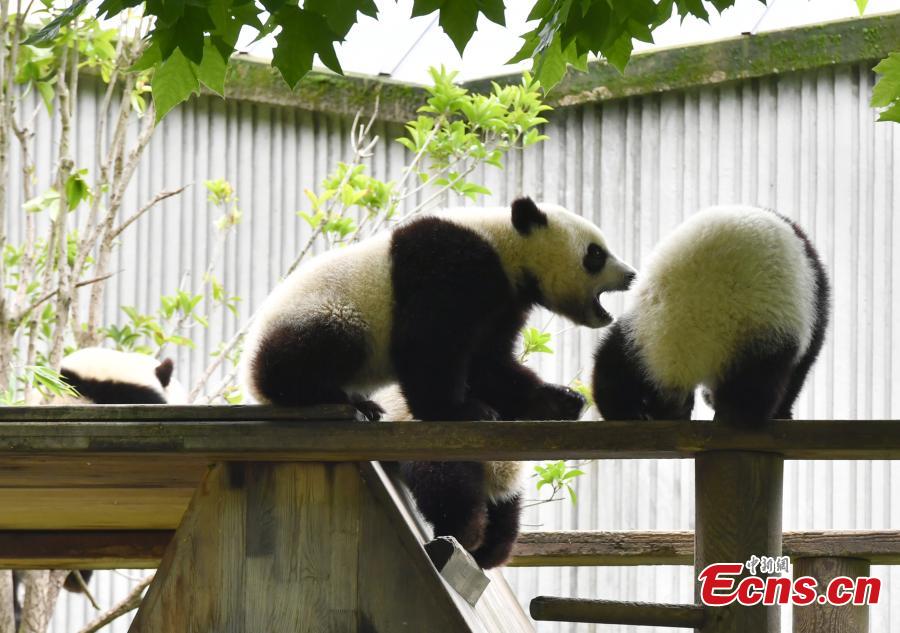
806 144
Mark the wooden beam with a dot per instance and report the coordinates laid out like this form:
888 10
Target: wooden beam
141 549
273 435
614 612
595 549
83 549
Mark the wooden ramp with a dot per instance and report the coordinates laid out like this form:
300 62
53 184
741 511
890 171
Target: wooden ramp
242 546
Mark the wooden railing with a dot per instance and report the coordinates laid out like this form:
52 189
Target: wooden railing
136 467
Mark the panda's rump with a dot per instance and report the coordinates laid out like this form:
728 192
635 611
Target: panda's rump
326 327
724 281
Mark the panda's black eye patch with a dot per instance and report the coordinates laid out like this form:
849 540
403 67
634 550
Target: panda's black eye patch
595 259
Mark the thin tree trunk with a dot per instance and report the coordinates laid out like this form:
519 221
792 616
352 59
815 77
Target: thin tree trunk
41 591
7 614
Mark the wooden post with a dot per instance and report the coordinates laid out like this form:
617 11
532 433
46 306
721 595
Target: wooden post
738 515
824 617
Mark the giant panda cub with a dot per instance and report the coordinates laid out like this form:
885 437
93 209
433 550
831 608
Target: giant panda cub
478 503
105 376
435 305
735 299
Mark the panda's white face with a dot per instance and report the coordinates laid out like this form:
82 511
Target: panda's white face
572 264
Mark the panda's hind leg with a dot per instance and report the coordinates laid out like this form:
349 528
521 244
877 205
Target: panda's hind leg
308 361
753 388
450 495
501 532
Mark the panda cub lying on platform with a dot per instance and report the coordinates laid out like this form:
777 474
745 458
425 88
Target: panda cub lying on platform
435 305
735 299
105 376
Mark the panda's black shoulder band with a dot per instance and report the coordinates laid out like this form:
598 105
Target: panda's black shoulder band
526 215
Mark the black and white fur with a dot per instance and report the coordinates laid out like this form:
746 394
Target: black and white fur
736 300
478 503
105 376
435 305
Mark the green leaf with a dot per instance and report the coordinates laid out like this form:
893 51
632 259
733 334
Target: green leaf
493 10
551 64
891 114
174 81
77 189
151 57
341 14
211 70
861 5
424 7
303 35
887 90
47 34
458 19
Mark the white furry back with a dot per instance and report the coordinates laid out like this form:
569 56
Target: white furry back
98 363
725 276
503 480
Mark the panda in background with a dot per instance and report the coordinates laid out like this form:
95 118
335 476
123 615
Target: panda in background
105 376
477 503
735 299
436 305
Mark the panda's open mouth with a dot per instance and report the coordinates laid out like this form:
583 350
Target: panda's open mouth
599 311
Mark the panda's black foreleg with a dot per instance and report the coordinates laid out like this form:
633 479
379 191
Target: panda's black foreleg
622 390
619 386
754 387
450 495
500 534
517 393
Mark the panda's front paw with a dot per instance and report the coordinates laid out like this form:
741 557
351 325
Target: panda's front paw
473 409
554 402
369 408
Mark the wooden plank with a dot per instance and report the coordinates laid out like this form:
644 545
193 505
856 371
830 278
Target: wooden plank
282 440
175 412
571 549
108 471
93 509
140 549
83 549
737 500
616 612
498 610
816 618
390 545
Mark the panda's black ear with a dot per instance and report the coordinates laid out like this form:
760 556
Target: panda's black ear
164 372
526 215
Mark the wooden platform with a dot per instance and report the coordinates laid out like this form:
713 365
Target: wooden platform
120 478
222 501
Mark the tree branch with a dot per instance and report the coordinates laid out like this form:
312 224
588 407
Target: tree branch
87 282
162 195
131 602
